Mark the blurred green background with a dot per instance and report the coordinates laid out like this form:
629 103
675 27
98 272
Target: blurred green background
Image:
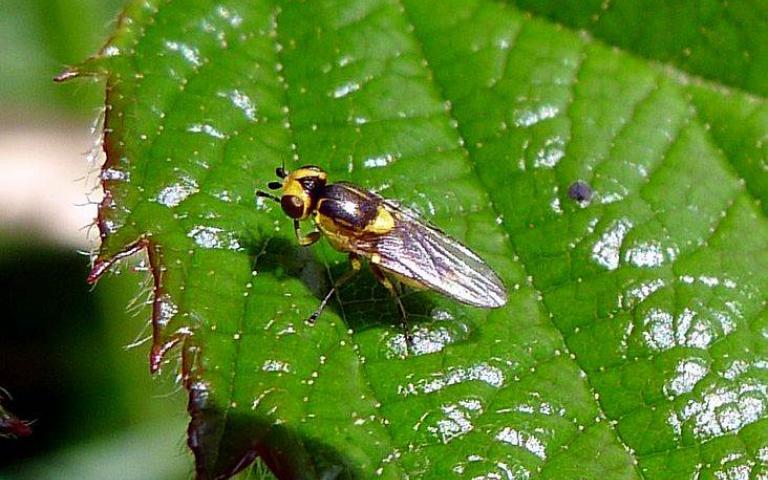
63 346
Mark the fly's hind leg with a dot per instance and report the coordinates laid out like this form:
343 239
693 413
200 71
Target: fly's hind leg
354 260
382 278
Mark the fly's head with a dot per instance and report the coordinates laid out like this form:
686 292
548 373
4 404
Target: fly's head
301 190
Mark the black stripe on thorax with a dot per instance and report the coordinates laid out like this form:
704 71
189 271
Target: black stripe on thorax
348 204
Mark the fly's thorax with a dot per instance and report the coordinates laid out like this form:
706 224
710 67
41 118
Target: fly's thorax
382 223
338 236
354 209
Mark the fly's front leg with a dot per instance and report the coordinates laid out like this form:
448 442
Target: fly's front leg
382 278
354 260
305 241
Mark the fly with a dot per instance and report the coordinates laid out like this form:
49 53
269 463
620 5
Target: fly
397 243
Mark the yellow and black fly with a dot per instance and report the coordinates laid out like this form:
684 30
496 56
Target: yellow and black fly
397 243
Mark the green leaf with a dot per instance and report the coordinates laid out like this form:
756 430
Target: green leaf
722 41
634 341
39 37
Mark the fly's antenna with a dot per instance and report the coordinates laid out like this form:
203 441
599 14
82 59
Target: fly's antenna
280 171
262 193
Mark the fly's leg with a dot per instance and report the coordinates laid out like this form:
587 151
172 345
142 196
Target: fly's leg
307 240
382 278
356 265
304 241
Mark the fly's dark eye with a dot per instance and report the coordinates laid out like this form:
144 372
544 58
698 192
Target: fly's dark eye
280 172
292 206
275 185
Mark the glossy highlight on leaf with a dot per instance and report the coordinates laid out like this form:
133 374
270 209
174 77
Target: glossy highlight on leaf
634 341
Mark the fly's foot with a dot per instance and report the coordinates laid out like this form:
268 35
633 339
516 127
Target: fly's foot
313 318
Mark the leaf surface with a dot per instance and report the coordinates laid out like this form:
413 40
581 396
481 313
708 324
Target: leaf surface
634 341
722 41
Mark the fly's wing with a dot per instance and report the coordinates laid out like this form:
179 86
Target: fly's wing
424 254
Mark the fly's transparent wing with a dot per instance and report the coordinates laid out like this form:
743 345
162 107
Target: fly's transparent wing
424 254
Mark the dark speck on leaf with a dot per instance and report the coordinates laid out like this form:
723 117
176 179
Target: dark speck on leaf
580 191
